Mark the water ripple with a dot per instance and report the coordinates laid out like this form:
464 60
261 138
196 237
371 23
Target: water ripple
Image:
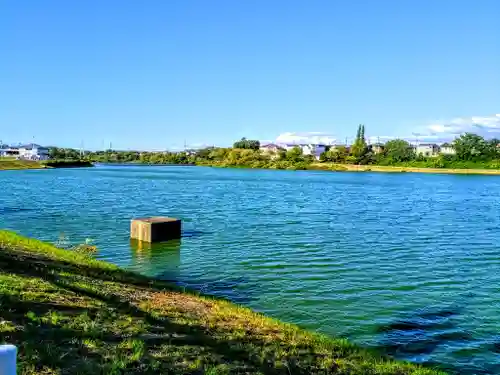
409 263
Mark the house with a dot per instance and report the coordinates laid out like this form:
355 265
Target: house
290 146
308 149
3 150
377 148
336 147
447 149
313 149
270 148
8 151
427 149
33 151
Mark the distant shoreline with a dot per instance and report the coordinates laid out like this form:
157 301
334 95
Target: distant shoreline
333 167
395 169
138 164
327 167
13 164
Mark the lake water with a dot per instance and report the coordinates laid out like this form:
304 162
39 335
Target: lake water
407 263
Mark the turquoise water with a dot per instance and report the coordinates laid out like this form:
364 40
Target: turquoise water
407 263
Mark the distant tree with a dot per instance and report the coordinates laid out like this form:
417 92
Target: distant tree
247 144
493 149
54 153
63 153
281 154
399 150
204 152
470 146
295 154
219 154
337 154
362 134
359 147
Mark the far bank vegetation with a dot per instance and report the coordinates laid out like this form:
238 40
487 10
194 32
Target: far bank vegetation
468 151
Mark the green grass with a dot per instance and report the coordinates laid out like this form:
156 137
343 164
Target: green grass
9 163
71 314
59 163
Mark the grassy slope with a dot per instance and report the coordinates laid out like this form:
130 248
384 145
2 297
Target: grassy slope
380 168
71 314
57 163
6 164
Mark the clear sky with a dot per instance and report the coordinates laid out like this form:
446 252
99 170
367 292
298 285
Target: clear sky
153 74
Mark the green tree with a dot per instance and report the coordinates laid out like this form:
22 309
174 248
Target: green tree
470 146
247 144
337 154
295 154
398 150
281 154
64 153
204 153
219 154
359 147
492 148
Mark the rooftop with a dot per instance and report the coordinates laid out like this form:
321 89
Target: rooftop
31 146
427 145
7 147
269 145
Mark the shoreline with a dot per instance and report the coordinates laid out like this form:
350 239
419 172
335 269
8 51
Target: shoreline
13 164
333 167
131 322
327 167
394 169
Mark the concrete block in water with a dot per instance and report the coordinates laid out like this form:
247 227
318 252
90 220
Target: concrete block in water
155 229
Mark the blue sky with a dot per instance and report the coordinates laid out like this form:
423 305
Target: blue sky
154 74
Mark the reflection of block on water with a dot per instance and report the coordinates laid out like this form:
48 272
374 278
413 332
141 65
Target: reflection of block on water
8 355
155 229
157 259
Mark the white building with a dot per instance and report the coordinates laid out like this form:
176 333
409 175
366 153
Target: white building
447 149
427 149
314 150
3 150
270 148
308 149
8 151
33 151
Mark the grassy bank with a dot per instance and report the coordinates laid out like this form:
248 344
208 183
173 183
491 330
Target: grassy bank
380 168
9 164
71 314
333 167
67 163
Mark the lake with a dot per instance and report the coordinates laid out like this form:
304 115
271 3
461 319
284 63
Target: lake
406 263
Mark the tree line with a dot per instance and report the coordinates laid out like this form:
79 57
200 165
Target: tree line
470 151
